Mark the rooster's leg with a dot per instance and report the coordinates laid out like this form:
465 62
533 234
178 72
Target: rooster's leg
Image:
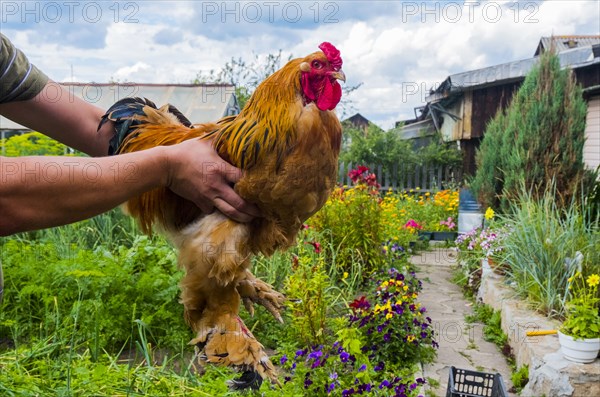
212 303
253 290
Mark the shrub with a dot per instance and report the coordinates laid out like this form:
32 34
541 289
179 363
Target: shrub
32 144
352 221
543 237
537 141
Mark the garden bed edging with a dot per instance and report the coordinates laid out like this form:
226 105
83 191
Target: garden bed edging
550 374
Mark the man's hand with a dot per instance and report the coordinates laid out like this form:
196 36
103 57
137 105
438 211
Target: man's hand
197 173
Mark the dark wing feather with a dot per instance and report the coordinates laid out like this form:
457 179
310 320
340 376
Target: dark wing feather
123 113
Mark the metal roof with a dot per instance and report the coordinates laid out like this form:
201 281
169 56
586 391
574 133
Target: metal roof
198 102
415 130
508 72
567 42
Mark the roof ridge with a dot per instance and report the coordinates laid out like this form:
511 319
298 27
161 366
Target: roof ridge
574 36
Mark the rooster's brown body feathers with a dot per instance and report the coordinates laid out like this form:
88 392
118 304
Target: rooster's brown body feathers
288 149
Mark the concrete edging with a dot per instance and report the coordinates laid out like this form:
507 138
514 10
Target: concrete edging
550 374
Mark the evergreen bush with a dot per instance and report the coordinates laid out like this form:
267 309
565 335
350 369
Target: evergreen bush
537 140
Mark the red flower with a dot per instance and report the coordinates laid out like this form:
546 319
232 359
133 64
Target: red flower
360 304
356 175
317 246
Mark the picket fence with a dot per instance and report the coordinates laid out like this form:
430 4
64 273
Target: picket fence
402 177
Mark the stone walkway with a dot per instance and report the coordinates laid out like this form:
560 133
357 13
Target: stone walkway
461 344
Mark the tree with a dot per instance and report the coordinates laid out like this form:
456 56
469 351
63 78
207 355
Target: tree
536 142
376 146
386 148
245 76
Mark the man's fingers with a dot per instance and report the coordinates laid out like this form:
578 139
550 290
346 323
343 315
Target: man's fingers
231 212
233 199
230 173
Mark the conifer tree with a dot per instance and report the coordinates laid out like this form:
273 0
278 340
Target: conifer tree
537 142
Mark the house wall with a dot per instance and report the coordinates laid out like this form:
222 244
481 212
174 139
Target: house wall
486 102
591 148
452 129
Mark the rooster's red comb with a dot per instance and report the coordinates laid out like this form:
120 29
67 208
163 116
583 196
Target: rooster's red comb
332 54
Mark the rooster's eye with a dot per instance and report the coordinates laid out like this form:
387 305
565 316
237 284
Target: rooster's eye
317 65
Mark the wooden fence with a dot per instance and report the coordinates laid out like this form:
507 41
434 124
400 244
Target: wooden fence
426 177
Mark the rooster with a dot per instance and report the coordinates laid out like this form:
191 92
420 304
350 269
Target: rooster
287 140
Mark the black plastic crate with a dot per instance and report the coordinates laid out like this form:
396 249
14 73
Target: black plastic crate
467 383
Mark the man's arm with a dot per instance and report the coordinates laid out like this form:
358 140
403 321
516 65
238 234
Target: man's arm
40 192
191 169
64 117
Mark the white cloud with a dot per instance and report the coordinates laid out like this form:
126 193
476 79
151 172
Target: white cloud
392 50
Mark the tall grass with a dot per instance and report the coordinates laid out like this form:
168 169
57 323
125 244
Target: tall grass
543 237
108 231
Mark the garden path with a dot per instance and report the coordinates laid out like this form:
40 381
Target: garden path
461 344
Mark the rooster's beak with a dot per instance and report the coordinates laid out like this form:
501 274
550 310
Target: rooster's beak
339 75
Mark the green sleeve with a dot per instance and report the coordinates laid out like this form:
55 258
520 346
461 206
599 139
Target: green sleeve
19 79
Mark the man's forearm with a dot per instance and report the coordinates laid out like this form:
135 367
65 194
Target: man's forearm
57 113
40 192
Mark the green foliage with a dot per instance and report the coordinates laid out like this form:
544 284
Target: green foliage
92 309
32 144
53 368
352 221
44 289
583 318
109 231
344 369
520 378
591 200
309 301
438 152
378 147
377 350
536 141
543 236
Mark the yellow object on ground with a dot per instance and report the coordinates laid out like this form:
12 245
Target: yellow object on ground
541 332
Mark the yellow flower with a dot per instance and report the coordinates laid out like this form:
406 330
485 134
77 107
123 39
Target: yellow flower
388 316
410 338
593 280
345 276
489 213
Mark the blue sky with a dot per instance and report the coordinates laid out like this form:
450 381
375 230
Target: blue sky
399 50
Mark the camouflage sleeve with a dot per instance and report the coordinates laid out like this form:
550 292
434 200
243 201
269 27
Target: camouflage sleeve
19 79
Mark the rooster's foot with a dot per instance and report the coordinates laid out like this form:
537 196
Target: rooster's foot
253 290
231 344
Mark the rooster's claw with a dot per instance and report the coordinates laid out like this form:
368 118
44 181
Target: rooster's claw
253 290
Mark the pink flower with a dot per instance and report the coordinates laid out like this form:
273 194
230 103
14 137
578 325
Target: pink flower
412 224
317 246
